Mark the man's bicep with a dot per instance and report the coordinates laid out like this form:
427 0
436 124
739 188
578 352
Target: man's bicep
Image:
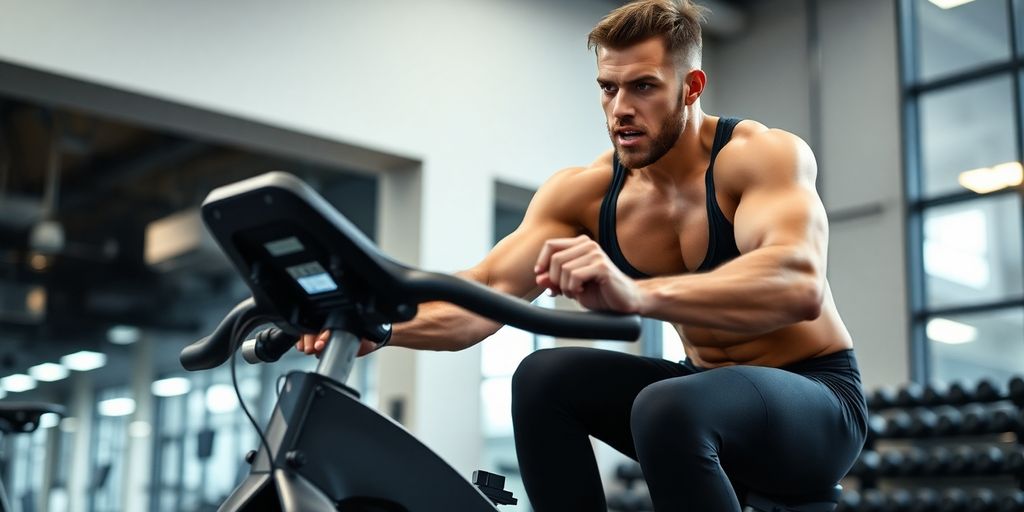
787 215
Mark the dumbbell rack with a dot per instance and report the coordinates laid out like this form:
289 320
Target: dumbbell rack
955 448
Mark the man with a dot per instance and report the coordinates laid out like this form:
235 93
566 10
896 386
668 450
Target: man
710 223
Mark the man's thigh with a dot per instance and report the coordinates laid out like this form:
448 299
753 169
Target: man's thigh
793 439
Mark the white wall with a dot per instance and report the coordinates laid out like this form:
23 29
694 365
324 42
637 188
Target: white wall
478 90
766 75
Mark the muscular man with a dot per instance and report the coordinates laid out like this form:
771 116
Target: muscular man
710 223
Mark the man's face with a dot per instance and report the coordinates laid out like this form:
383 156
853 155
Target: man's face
642 98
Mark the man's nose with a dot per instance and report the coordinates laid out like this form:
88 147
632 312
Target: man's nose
622 107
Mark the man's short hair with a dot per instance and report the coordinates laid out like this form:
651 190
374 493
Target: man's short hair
677 22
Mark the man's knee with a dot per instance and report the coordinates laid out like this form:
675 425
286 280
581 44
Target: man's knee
666 408
537 377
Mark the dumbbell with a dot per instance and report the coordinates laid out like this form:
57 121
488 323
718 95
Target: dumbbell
1012 501
872 501
891 463
1015 390
949 421
975 419
882 398
953 393
902 462
983 500
926 500
954 500
898 500
922 423
866 466
913 462
898 424
1006 420
1013 461
876 428
992 420
960 461
988 391
910 395
629 473
937 462
987 460
849 501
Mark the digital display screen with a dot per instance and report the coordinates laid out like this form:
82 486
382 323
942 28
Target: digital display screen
284 246
312 278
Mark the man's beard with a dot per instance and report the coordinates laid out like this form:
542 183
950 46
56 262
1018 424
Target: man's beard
665 140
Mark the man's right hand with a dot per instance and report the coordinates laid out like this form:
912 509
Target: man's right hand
315 343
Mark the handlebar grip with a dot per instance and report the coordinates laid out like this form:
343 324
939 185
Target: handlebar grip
270 344
216 348
520 313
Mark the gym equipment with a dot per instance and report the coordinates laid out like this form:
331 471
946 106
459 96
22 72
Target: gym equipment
949 421
922 423
1015 391
309 269
910 395
22 418
866 467
988 391
630 500
881 398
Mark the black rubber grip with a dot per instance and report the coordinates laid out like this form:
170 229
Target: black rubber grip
213 350
521 314
273 343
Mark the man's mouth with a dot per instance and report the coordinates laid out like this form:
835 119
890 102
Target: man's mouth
628 137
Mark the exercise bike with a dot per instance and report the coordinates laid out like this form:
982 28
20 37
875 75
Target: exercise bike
310 269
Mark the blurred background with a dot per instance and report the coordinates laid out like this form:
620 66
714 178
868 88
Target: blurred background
430 124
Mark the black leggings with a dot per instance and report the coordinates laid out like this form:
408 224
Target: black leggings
700 435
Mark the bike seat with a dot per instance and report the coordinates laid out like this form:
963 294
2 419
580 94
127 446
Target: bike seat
825 501
24 416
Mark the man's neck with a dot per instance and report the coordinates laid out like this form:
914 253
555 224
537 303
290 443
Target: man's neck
693 145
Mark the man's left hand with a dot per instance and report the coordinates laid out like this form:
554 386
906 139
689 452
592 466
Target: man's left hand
580 270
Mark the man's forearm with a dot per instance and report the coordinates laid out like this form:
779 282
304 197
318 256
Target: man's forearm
758 292
442 326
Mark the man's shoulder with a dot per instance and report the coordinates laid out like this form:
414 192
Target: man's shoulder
756 152
586 180
570 192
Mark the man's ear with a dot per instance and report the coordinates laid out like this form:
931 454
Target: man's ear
694 83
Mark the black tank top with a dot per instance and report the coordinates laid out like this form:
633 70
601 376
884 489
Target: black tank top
721 240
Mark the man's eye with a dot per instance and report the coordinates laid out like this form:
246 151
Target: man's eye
644 87
608 88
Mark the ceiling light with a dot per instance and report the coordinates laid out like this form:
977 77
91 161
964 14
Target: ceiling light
17 383
39 262
123 334
35 300
221 398
172 386
990 179
49 420
116 407
949 4
48 372
950 332
84 360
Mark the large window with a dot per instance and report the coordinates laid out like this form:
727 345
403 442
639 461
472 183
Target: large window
962 127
